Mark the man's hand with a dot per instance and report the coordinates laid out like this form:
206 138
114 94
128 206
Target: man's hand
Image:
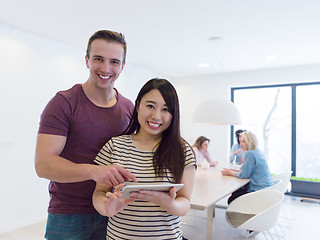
112 175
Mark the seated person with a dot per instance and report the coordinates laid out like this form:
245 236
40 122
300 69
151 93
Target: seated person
200 148
254 167
236 152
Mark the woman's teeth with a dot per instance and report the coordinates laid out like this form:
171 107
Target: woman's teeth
154 124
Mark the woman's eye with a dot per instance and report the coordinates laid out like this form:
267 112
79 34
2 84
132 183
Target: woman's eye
150 106
166 109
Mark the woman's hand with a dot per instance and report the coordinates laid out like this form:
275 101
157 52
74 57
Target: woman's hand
109 203
213 164
174 203
228 172
164 199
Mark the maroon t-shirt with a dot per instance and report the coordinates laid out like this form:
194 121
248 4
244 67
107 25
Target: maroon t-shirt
87 128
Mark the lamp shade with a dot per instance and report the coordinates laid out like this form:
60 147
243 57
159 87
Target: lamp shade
217 112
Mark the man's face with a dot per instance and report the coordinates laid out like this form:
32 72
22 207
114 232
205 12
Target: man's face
105 63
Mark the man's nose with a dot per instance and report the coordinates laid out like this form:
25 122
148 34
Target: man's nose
105 67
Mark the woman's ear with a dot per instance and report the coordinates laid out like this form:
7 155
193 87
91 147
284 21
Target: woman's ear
136 103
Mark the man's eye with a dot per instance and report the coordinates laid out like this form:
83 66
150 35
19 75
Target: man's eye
116 62
98 59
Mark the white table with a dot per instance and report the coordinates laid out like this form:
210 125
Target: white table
211 186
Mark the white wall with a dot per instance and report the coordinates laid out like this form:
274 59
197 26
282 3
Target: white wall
193 90
32 69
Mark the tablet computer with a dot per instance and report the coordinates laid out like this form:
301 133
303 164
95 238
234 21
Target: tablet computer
136 187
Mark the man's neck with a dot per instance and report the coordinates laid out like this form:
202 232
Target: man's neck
100 97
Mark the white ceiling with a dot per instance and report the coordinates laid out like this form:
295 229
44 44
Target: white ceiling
172 36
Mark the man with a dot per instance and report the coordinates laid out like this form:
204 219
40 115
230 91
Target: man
74 126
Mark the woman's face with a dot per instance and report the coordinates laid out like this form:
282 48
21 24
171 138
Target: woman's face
204 146
153 114
243 144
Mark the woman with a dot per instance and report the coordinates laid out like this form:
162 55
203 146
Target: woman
154 152
236 154
254 167
200 148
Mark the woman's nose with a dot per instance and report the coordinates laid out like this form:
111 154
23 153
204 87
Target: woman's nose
156 114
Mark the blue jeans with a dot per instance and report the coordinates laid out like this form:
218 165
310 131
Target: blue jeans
76 227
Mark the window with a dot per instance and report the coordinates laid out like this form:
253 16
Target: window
308 131
285 120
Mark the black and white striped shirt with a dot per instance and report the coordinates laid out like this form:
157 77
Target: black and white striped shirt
140 219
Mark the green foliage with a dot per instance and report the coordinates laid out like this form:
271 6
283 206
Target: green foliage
306 179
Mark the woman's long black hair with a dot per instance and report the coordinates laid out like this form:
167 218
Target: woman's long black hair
170 152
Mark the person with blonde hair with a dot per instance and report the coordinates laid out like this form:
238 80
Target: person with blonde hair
200 148
254 167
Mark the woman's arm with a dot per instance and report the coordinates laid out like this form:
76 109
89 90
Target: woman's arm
228 172
207 156
108 203
181 205
248 166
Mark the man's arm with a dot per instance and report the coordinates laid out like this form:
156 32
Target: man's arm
50 165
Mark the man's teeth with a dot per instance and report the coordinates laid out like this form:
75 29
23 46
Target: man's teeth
104 77
154 124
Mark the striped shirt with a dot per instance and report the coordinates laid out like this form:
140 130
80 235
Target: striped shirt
140 219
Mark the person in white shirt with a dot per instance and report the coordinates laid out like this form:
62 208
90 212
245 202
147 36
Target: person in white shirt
200 148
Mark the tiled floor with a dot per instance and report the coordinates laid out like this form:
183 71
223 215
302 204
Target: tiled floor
305 225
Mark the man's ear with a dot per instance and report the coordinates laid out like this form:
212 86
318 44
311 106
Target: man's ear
87 61
123 64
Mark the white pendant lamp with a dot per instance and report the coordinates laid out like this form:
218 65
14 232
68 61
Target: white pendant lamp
217 112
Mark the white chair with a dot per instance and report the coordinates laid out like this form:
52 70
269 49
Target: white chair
256 211
276 185
285 177
283 187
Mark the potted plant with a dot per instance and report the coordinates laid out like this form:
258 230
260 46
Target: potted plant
306 187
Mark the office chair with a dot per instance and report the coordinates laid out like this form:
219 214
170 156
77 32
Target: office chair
256 211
